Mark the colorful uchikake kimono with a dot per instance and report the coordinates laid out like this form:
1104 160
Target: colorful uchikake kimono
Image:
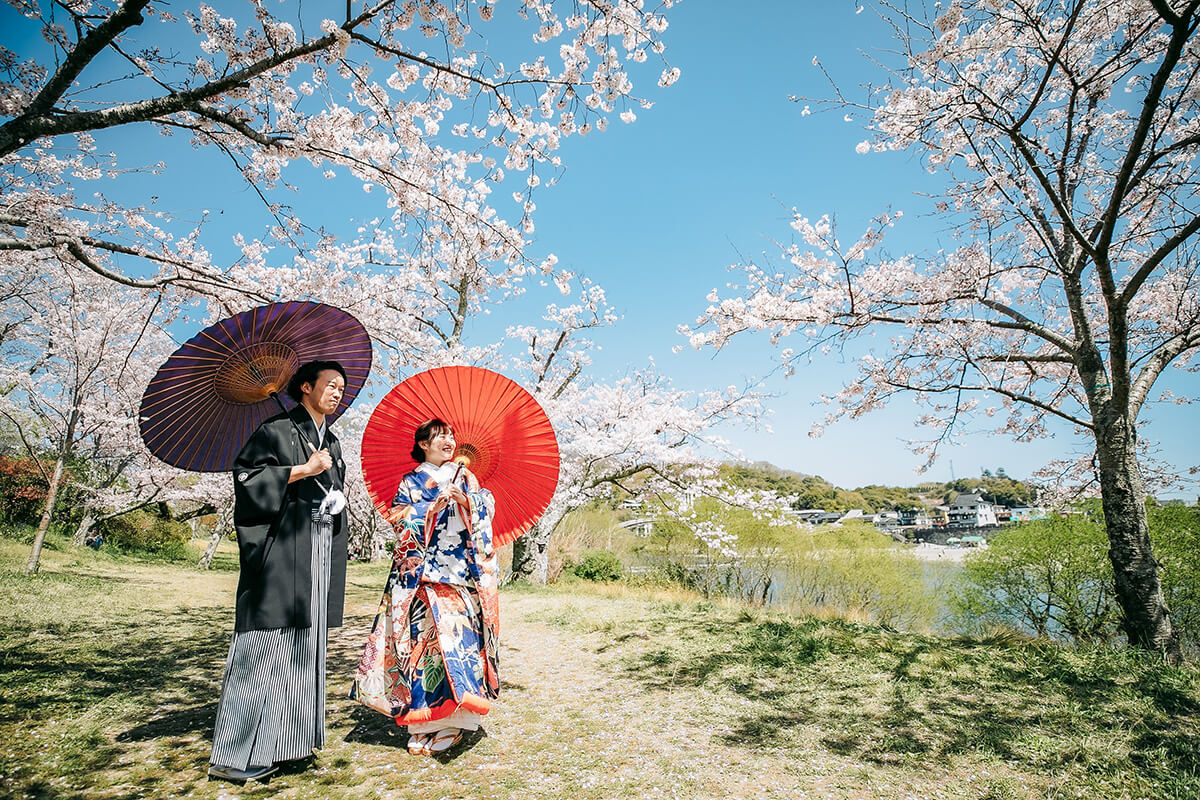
432 657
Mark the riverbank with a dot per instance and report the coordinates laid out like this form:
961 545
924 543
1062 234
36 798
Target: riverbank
937 552
110 668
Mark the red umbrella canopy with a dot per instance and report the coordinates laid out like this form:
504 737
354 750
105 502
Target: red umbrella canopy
210 395
498 425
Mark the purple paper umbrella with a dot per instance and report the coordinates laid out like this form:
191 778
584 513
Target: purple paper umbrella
210 395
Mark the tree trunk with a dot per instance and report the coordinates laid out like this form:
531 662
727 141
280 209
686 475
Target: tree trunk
85 527
224 522
1146 619
531 555
44 523
211 550
52 493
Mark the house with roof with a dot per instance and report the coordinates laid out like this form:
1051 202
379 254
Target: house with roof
914 518
886 519
970 510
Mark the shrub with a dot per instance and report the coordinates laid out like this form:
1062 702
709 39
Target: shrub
1050 577
886 586
141 532
23 489
673 573
598 565
1175 532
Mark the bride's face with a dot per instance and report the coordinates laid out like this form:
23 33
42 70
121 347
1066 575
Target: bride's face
440 448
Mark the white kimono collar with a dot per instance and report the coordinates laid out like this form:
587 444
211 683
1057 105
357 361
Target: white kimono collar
440 474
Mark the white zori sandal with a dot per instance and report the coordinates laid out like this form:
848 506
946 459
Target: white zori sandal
418 742
443 740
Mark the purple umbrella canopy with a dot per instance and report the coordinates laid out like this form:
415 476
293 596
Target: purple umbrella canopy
210 395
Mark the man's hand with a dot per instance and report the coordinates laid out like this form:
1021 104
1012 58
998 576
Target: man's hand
317 463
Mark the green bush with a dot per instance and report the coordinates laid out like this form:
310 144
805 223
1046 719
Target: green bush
1049 577
1175 532
144 533
889 587
673 573
599 565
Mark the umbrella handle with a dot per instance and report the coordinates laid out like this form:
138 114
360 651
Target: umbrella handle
462 461
311 448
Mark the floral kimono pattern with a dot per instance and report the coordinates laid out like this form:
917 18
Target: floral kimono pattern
434 645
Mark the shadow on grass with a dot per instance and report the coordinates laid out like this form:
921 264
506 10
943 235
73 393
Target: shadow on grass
371 727
174 657
194 720
131 696
890 699
470 741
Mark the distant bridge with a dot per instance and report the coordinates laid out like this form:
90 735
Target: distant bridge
642 527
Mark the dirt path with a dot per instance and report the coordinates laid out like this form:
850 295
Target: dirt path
571 722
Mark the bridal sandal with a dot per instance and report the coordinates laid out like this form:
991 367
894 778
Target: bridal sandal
418 743
443 740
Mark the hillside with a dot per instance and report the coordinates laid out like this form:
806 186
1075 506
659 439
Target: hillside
813 491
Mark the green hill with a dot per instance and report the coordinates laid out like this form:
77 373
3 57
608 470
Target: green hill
813 491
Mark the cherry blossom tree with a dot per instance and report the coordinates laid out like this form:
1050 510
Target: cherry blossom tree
642 435
1067 134
77 355
431 107
402 96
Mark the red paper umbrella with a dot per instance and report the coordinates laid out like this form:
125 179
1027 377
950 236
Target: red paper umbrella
211 394
497 425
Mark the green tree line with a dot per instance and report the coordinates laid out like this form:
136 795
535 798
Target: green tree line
813 491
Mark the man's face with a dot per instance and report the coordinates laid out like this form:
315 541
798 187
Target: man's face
324 396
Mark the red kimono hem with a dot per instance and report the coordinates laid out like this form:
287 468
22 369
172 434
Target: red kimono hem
470 702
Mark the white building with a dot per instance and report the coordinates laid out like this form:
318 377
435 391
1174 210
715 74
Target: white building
915 518
971 511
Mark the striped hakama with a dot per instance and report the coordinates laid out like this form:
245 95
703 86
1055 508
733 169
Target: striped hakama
272 705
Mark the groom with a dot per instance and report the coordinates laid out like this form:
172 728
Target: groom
291 528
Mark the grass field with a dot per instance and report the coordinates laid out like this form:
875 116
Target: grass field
110 669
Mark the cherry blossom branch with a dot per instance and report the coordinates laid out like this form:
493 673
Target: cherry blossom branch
238 125
1054 60
366 165
75 246
1016 396
36 123
562 386
1181 29
270 207
1025 358
493 87
1159 361
128 15
1026 324
1157 257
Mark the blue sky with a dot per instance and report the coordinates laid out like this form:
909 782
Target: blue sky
656 211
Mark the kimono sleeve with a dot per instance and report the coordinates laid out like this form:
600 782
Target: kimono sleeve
482 508
260 486
402 514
